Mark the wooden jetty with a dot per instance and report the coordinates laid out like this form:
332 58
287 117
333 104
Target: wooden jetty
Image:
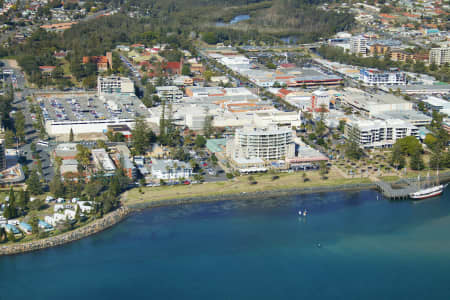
401 193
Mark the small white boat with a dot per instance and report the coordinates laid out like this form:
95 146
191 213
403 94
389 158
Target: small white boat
299 212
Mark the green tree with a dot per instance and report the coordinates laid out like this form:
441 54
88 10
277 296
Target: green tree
210 38
34 185
11 209
22 200
430 140
416 162
409 145
323 169
78 213
56 185
11 237
200 141
352 149
140 136
71 137
83 156
436 122
186 70
9 139
34 223
214 159
437 161
208 126
19 124
397 157
115 186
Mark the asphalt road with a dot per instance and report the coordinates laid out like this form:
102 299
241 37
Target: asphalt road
20 103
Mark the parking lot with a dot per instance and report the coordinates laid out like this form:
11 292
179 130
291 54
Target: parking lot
90 107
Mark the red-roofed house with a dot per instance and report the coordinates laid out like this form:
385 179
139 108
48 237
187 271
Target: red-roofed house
47 70
103 62
287 66
166 69
138 46
386 16
283 93
173 67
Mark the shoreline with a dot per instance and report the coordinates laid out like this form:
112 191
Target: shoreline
120 214
148 204
123 212
89 229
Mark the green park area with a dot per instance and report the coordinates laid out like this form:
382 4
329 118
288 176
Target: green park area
241 184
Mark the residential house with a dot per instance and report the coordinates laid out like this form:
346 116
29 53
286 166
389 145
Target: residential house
103 62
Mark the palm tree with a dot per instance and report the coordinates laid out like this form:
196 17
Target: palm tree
168 169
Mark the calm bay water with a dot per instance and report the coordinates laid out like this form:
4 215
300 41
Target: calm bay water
350 246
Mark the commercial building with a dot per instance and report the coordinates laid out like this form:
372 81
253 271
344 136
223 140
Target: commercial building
423 89
439 56
358 45
169 93
413 117
320 99
170 169
66 151
102 160
277 118
376 77
310 77
268 143
114 84
368 104
89 115
377 133
436 104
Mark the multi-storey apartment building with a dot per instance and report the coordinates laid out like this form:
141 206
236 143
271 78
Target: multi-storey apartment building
358 45
378 133
377 77
267 143
439 56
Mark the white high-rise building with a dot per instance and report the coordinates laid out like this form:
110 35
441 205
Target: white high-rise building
439 56
266 143
358 45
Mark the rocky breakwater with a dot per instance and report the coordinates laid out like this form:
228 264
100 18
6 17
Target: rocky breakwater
92 228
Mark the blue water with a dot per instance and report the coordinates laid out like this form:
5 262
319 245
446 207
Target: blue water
235 20
289 39
239 18
369 249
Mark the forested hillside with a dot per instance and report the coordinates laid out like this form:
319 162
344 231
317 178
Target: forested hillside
177 23
301 18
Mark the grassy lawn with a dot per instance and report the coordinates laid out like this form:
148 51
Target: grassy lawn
238 185
389 178
66 69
